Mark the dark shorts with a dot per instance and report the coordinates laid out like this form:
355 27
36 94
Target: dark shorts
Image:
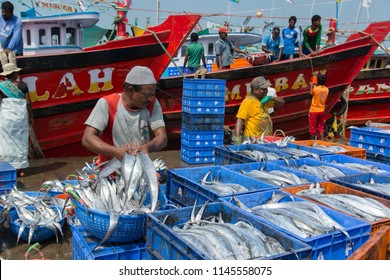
316 122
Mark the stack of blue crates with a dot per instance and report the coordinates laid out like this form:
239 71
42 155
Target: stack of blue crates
7 175
203 107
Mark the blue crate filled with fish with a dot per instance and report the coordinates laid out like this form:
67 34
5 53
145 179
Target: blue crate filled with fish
365 166
375 184
379 158
200 184
273 175
84 247
129 227
245 153
214 88
317 168
233 235
7 175
331 234
297 151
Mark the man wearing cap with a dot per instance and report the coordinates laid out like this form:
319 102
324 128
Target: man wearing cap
10 30
224 50
121 123
253 112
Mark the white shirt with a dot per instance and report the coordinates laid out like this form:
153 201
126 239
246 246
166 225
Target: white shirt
271 92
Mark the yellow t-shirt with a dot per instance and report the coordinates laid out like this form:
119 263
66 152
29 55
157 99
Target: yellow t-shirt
320 94
256 116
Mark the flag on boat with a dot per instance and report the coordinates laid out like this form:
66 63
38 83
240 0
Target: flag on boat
366 3
235 1
128 3
290 1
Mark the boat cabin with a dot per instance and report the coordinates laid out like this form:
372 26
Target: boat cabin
56 33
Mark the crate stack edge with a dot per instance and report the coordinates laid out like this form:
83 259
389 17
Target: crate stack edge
203 115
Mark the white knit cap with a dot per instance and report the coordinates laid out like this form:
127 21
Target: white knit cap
140 75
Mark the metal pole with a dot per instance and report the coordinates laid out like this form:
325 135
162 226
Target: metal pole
158 13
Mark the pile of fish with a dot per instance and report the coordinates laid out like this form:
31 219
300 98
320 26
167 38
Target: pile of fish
33 212
135 190
302 218
297 153
276 177
220 240
332 149
366 208
322 171
364 168
258 155
383 188
221 187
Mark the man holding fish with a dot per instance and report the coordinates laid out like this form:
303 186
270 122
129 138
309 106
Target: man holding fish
122 123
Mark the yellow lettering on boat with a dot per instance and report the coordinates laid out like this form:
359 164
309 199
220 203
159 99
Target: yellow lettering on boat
365 89
300 82
234 94
95 80
31 83
281 84
63 88
382 88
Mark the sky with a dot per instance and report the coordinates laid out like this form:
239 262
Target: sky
351 13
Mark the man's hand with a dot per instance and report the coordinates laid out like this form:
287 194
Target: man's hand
236 140
266 99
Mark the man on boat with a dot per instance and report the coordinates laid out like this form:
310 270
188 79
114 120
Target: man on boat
10 33
312 37
194 53
224 50
291 36
122 123
253 112
273 45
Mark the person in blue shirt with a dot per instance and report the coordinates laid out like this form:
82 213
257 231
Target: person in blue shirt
273 44
10 30
291 36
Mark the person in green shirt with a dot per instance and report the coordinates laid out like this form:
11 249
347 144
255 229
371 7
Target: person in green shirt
312 37
194 53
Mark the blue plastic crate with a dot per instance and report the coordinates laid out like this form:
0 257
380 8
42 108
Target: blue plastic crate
162 243
197 152
371 148
348 159
227 154
204 88
201 138
204 102
201 126
331 246
183 184
83 243
316 152
197 160
7 175
371 135
203 119
379 158
203 110
296 163
270 166
355 181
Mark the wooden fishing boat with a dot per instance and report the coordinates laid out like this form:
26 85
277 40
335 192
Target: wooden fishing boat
65 80
369 93
291 79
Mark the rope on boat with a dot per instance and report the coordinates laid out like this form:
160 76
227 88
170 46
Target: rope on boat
162 46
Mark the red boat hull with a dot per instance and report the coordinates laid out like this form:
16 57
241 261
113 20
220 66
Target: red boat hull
291 80
65 87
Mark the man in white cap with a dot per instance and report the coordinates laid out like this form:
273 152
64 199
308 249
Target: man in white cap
253 112
121 123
